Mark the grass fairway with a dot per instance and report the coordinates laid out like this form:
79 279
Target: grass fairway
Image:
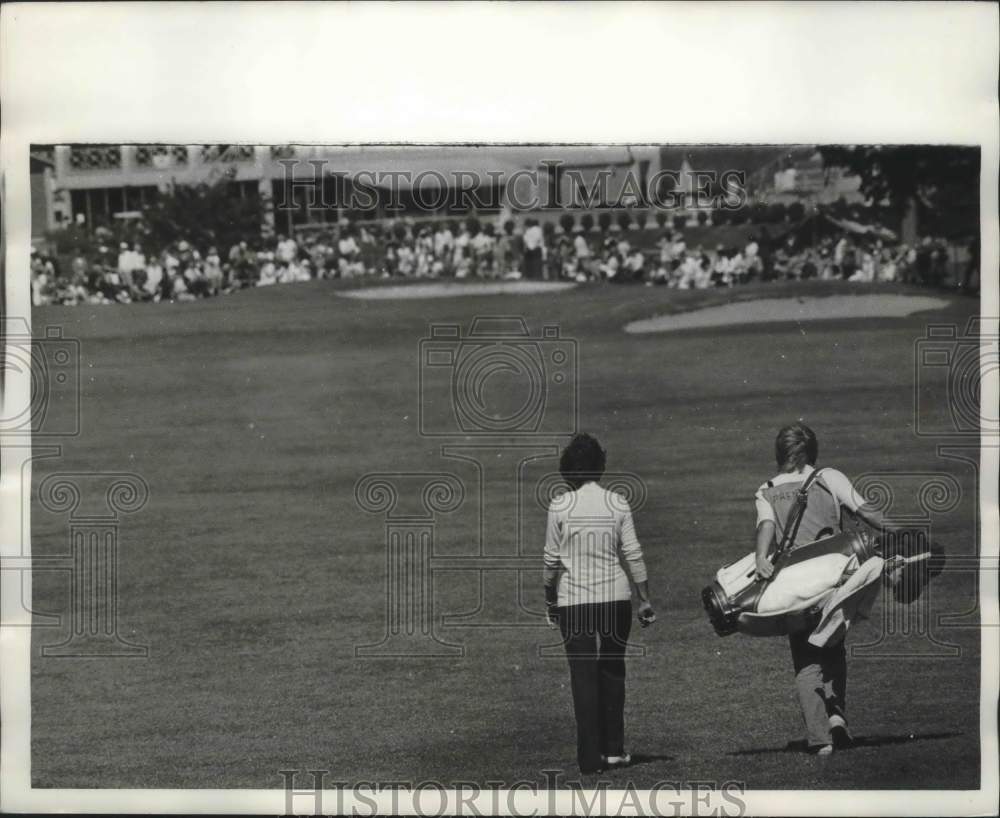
252 573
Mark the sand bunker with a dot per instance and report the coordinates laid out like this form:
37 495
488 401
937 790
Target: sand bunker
453 289
771 310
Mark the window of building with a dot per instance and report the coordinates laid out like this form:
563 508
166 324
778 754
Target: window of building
95 157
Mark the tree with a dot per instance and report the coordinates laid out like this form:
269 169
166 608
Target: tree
567 222
661 218
205 214
587 222
604 221
939 184
776 212
758 212
624 220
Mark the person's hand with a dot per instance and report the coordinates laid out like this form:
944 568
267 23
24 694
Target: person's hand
551 616
892 571
647 616
764 568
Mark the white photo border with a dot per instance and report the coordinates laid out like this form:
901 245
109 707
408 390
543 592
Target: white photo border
863 73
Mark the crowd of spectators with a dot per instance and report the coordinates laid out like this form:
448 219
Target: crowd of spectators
466 249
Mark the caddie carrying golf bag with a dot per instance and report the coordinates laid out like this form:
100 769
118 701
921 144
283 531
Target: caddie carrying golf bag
808 576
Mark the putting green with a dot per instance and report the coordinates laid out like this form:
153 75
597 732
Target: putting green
442 289
772 310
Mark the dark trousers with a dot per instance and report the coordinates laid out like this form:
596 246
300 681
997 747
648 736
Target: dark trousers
533 263
595 636
821 684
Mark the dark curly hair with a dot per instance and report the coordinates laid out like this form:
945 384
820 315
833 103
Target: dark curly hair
582 460
795 446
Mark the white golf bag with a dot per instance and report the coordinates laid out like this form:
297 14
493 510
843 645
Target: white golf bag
814 581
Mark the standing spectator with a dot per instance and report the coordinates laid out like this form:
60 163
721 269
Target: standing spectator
582 251
923 261
124 265
213 271
154 280
367 251
533 249
444 241
504 250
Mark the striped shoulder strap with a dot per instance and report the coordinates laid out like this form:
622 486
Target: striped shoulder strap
797 511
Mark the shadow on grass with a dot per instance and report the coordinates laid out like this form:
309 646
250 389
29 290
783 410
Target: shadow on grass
648 758
860 742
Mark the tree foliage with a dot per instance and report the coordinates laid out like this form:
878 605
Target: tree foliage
205 215
942 180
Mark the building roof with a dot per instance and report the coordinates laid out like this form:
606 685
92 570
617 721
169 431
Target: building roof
428 163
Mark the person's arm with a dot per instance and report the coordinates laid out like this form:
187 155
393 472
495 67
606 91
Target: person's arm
550 571
635 565
851 499
765 537
766 529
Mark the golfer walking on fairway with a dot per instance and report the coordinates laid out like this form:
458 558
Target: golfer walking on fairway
589 537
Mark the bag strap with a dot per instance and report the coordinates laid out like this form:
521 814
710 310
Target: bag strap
796 513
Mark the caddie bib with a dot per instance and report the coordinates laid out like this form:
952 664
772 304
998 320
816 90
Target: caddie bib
821 516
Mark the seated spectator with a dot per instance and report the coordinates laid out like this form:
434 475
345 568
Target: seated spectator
407 260
636 264
610 265
463 266
444 241
286 250
678 247
349 261
154 280
887 268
